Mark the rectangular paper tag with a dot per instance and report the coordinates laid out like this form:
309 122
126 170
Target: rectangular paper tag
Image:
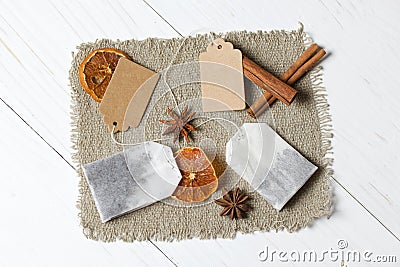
131 85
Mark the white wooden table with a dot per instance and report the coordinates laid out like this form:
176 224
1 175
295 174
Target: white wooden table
38 187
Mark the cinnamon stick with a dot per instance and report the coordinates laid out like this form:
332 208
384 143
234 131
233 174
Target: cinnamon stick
267 96
306 67
302 65
300 61
266 80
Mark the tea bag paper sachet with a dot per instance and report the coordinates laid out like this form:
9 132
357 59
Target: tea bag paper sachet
268 163
132 179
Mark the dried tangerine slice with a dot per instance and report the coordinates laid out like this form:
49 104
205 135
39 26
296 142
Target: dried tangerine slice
199 180
96 70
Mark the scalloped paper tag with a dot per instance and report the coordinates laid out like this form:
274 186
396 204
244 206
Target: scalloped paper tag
131 85
221 74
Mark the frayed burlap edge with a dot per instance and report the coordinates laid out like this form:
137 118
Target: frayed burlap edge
325 122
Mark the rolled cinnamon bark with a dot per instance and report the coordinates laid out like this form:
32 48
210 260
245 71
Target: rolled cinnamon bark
306 67
267 81
302 65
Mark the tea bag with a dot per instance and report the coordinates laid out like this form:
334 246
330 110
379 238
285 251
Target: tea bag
133 179
269 164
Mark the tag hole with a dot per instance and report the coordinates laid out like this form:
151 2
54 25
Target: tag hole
219 46
115 123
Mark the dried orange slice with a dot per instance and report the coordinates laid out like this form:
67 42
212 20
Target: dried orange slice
199 180
96 70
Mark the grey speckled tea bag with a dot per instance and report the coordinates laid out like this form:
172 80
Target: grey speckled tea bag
133 179
271 166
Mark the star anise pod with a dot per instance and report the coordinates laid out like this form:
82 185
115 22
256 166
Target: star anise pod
233 203
180 124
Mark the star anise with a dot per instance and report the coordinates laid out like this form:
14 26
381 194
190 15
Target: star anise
180 124
233 203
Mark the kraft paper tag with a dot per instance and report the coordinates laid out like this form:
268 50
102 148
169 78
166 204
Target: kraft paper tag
131 86
221 74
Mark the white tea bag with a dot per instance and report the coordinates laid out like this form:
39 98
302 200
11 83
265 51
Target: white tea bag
133 179
270 165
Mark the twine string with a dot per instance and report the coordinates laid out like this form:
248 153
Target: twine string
211 40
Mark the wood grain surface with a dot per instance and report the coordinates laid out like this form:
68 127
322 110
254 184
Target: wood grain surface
38 185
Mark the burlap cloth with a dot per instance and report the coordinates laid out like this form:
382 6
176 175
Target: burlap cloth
305 125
